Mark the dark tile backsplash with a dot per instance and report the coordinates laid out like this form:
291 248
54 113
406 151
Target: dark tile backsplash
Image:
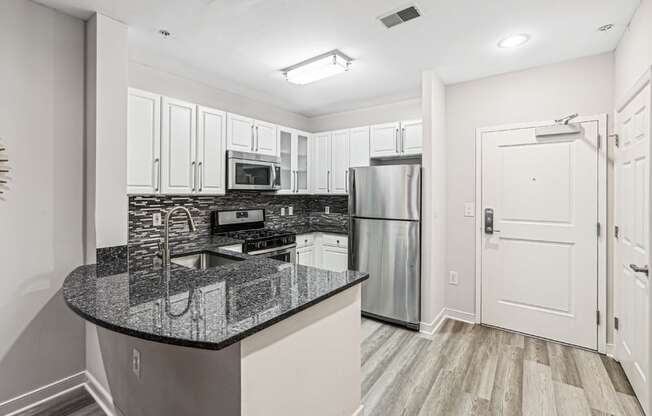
308 211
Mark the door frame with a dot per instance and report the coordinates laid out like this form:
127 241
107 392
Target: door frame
601 119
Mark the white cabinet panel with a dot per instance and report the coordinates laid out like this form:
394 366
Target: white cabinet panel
211 157
359 147
301 165
384 140
286 143
240 133
322 163
306 256
334 258
266 140
178 147
143 142
339 161
411 137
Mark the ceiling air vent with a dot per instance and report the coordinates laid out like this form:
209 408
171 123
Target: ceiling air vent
401 16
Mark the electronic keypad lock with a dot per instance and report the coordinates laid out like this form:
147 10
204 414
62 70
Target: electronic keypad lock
488 221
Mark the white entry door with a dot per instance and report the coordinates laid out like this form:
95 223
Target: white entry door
632 248
540 259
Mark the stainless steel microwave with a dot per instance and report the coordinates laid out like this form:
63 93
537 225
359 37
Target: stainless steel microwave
253 172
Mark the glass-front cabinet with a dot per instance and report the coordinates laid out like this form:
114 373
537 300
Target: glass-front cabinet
295 178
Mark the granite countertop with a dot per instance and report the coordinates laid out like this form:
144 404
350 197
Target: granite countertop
316 228
208 309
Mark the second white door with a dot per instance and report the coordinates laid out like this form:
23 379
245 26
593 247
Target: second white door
540 258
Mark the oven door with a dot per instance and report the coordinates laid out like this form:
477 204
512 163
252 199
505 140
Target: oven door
254 175
286 253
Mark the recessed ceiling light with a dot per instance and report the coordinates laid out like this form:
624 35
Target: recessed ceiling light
606 28
320 67
514 41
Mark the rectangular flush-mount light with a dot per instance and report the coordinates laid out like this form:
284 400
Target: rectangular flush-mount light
320 67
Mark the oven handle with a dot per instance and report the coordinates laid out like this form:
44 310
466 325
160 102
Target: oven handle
273 250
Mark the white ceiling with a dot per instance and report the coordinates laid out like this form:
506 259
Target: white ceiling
241 45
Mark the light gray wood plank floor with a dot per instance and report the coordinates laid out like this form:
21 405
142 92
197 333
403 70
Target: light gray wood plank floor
77 402
474 370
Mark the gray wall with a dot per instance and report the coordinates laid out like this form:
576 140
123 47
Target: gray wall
42 126
584 85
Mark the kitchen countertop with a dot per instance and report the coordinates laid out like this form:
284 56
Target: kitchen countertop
208 309
311 228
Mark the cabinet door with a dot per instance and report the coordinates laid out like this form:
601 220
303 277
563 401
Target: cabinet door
334 259
359 147
384 140
143 142
340 162
286 143
321 162
411 137
266 140
211 157
239 133
178 147
306 256
301 164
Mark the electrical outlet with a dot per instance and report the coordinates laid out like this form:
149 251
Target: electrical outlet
468 209
156 219
327 210
283 212
135 362
290 210
453 278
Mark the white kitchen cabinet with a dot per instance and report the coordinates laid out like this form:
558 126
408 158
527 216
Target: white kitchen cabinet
384 140
306 256
340 161
143 142
396 139
321 163
359 147
294 149
178 156
211 156
335 259
240 133
245 134
412 137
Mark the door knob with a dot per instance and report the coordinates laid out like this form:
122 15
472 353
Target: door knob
638 269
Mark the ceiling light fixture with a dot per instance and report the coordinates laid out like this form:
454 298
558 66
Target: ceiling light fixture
320 67
514 41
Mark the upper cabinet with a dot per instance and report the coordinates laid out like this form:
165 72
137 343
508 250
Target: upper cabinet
330 162
339 161
245 134
396 139
173 146
144 142
321 163
294 151
359 147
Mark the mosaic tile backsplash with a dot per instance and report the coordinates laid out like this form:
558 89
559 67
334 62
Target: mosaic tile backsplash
308 213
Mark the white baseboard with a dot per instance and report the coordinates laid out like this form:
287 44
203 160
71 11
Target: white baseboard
429 328
359 411
50 391
41 394
611 350
460 316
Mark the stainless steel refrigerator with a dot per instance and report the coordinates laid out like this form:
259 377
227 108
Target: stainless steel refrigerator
385 240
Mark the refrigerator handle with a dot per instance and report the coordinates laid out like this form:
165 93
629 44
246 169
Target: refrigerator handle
351 239
351 190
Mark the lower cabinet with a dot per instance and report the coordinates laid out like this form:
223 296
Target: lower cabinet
322 250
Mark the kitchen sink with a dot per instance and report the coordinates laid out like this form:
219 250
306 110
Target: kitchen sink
204 260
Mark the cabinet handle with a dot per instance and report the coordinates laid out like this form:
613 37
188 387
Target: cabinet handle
252 138
201 175
403 140
157 174
398 146
194 175
346 181
257 139
328 181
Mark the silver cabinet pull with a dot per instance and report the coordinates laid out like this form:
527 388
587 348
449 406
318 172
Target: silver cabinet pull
296 180
403 140
346 181
157 174
257 139
398 149
639 269
194 175
252 138
201 175
328 181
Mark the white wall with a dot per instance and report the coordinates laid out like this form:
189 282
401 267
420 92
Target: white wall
162 82
633 55
433 200
544 93
42 126
401 110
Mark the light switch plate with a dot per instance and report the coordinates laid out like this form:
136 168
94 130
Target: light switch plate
283 212
468 209
156 219
290 210
453 277
327 210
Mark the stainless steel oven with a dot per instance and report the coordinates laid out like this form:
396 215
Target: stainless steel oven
284 253
253 172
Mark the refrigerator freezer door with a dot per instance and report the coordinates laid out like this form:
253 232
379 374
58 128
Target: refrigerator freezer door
392 192
390 252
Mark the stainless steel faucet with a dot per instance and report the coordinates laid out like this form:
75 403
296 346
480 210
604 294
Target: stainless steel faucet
165 250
